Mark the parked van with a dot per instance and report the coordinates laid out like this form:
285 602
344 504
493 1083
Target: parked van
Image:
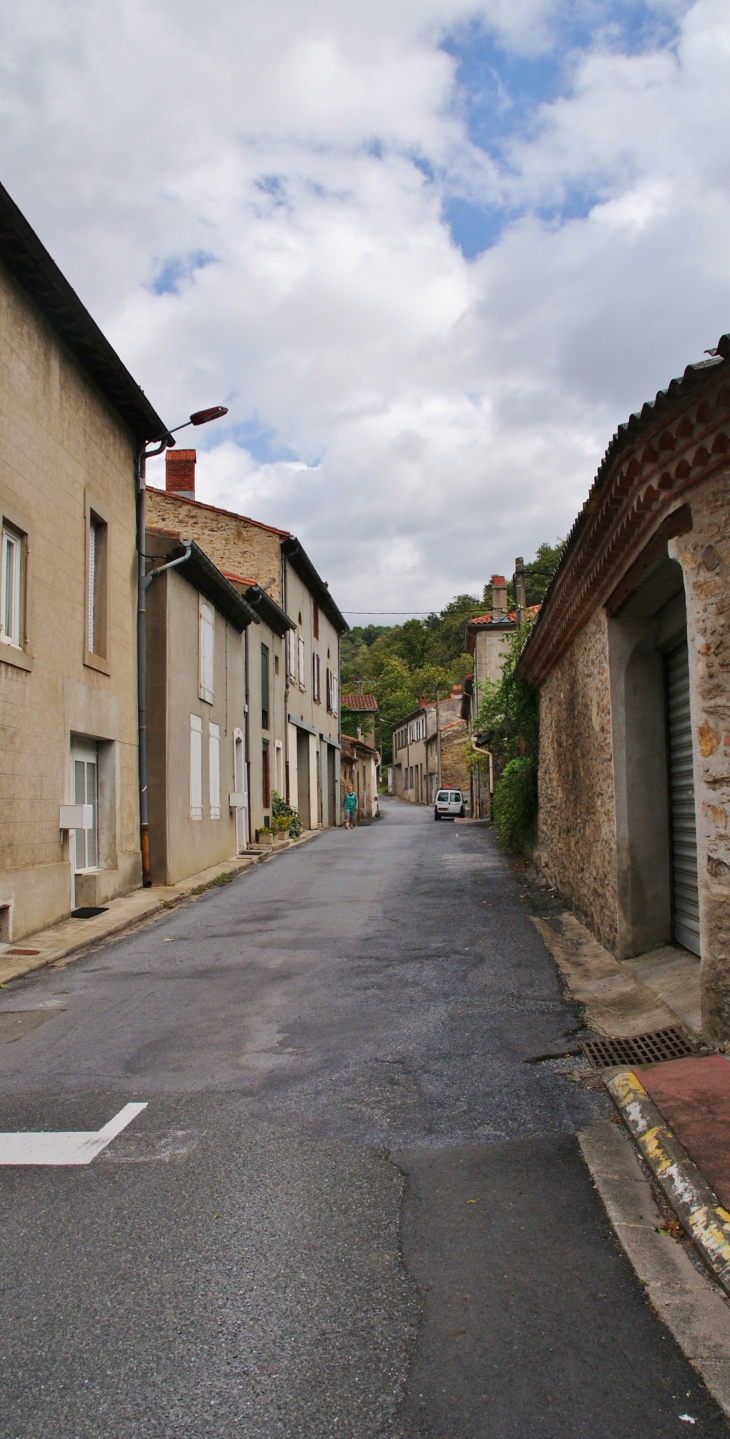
449 804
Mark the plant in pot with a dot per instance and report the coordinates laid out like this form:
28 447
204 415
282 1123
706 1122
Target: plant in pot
285 818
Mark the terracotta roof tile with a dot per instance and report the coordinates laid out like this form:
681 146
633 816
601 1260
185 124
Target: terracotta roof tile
359 702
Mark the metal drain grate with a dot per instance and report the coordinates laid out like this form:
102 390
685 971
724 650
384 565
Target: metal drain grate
638 1049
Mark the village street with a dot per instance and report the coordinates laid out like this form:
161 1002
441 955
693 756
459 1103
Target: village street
351 1206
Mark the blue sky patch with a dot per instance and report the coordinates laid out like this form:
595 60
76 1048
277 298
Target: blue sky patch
174 271
499 92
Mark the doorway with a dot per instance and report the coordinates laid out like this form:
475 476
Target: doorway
85 790
240 781
303 785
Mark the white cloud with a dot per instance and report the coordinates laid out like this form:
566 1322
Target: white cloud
445 415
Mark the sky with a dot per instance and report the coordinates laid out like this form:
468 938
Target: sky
429 255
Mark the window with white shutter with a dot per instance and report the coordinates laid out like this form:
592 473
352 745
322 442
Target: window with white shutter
214 770
328 687
11 588
302 665
316 680
291 653
335 695
207 650
196 767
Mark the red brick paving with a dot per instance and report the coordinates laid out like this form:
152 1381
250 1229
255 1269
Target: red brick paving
693 1095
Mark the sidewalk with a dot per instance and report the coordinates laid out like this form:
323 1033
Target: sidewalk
677 1111
64 941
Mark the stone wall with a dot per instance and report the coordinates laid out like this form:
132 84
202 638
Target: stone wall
704 554
235 544
577 826
454 771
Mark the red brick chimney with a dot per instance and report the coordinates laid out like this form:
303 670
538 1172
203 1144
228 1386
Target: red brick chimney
180 473
499 596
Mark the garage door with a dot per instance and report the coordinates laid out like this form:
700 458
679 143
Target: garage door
684 827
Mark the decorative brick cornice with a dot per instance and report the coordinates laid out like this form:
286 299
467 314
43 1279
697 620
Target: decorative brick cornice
676 442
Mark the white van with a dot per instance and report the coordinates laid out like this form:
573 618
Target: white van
449 804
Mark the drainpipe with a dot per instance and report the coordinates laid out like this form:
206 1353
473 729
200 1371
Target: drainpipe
438 740
143 583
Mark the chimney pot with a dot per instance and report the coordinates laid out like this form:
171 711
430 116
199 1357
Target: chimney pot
180 473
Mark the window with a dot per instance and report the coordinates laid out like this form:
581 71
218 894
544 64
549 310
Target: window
315 621
214 770
264 686
206 651
265 777
331 680
276 664
196 767
316 680
302 664
12 589
96 587
291 641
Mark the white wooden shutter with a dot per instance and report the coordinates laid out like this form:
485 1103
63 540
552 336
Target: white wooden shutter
214 770
291 649
92 588
335 696
207 642
302 663
196 767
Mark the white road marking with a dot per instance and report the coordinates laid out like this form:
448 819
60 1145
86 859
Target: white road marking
64 1147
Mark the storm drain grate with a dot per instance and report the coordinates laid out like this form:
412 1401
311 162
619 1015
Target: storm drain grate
638 1049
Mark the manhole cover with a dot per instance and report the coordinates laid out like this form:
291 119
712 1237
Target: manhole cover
638 1049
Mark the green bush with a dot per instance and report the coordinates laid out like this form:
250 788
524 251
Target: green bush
515 802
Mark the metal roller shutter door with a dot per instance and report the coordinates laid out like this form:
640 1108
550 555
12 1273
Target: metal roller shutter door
686 899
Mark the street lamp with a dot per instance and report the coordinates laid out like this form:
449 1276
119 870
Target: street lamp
162 442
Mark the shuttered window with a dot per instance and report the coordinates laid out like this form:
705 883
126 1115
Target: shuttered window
686 901
316 680
196 767
207 644
214 770
291 650
302 664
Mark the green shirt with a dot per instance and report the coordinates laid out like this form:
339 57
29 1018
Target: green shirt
350 803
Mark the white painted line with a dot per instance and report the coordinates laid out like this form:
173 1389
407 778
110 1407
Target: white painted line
64 1147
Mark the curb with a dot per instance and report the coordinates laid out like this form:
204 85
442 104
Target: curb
684 1296
696 1205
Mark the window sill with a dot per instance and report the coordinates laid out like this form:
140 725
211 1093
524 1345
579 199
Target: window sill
12 655
97 662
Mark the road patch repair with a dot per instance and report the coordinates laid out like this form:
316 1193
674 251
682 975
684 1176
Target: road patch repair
64 1146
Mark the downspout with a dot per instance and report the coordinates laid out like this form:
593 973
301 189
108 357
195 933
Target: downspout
143 583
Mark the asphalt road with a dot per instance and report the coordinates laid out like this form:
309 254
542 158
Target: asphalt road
353 1206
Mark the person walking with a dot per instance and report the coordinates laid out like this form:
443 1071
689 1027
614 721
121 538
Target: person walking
349 805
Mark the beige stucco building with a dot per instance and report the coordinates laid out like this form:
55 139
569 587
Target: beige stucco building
73 421
303 738
196 703
631 652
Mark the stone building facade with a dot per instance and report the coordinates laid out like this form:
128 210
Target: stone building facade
414 774
302 744
73 422
631 652
454 770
